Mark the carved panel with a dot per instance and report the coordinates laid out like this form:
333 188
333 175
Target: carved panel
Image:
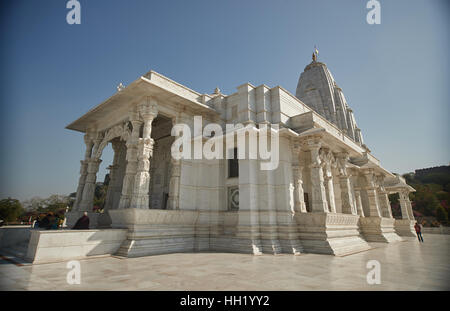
233 198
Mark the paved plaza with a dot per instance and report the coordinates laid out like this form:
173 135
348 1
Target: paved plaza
405 265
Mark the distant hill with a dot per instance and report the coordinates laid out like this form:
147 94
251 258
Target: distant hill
444 169
431 200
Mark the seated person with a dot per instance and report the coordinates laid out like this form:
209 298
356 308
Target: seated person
82 222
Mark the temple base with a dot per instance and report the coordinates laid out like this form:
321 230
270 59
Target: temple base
330 233
378 229
104 220
405 227
153 232
73 216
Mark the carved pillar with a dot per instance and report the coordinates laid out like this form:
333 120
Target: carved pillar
81 182
370 188
299 196
112 175
383 199
326 161
174 186
87 199
83 169
410 210
173 201
131 158
93 165
348 205
357 188
385 204
319 200
404 206
359 207
140 199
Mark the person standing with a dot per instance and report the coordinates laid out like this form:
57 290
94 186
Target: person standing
418 232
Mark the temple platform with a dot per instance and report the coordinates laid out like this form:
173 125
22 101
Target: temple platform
405 227
379 229
43 246
330 233
408 265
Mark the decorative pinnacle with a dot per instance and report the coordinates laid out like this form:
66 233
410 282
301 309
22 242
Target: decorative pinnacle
120 87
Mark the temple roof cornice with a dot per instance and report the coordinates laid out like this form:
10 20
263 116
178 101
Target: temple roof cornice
152 84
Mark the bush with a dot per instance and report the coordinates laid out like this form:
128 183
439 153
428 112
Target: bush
441 215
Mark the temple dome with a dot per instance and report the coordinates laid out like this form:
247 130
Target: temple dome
317 88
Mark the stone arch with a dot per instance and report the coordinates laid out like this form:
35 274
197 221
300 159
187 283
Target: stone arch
121 131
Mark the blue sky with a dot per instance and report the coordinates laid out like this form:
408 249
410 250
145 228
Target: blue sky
394 75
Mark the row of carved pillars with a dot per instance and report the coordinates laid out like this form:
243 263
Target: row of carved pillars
351 189
135 187
322 187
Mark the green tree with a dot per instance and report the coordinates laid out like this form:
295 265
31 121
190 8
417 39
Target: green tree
100 195
10 209
426 201
443 196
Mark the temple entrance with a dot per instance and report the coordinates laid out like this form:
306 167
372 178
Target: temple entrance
116 174
160 162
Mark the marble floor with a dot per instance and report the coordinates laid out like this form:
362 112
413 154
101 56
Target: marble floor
404 266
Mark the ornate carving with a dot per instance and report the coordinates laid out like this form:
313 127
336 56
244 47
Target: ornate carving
148 109
379 182
327 158
341 161
121 131
233 198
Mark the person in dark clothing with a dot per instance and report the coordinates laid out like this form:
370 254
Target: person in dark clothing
82 222
45 222
418 232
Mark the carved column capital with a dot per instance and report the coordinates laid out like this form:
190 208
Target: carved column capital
97 140
93 165
369 177
311 143
342 159
296 147
148 108
88 139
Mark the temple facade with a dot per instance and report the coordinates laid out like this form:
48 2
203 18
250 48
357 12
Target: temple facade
328 193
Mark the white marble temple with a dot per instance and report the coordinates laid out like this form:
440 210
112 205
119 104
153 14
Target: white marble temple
328 194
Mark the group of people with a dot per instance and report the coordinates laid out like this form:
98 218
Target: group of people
50 221
53 221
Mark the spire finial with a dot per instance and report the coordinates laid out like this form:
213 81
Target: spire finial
315 54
